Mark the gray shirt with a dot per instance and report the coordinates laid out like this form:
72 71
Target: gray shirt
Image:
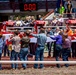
16 43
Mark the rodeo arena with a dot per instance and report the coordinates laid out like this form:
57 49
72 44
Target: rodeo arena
38 37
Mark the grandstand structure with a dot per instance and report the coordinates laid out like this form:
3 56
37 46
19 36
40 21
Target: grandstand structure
15 8
43 7
7 11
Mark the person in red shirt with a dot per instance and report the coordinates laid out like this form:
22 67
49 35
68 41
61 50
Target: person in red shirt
9 45
6 36
21 34
74 35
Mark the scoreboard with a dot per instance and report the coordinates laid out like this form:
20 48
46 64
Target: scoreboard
28 6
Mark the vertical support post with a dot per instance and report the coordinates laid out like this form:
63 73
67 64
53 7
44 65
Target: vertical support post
46 6
12 5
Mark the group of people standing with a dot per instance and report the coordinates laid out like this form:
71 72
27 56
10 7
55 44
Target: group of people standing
20 46
62 44
65 7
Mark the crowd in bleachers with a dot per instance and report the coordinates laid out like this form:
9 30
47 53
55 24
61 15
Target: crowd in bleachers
65 7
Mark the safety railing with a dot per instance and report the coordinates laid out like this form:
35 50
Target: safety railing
40 62
71 15
21 29
73 27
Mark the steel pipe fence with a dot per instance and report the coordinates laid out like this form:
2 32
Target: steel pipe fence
40 62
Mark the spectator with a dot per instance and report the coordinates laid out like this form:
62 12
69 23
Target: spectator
61 9
49 44
74 44
58 4
24 48
65 5
57 31
16 49
39 17
19 22
32 45
58 46
68 7
49 32
61 19
26 19
4 44
41 40
32 21
54 21
1 48
66 48
69 30
5 48
69 33
10 45
29 21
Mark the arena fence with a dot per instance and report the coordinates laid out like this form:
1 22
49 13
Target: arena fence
21 29
40 62
62 27
73 15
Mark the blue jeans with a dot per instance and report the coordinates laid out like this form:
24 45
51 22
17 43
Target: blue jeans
14 56
58 52
39 55
49 48
0 59
65 55
23 56
6 51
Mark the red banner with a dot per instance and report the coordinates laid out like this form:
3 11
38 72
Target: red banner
71 21
39 22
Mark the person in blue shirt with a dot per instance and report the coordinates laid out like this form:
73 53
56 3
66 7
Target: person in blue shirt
1 48
5 48
41 40
58 46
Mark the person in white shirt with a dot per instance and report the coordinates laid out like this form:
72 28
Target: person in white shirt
57 31
16 46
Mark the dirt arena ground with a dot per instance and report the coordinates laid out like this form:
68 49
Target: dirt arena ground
49 69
